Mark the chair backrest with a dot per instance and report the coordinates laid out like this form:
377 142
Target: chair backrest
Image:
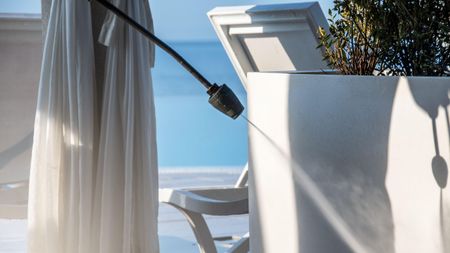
21 49
275 37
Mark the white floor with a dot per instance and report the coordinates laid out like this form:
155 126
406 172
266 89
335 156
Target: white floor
174 232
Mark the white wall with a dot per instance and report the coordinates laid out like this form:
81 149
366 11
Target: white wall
20 61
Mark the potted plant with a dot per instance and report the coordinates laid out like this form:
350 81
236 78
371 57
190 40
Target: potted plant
404 37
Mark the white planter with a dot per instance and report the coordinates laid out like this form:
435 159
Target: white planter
370 146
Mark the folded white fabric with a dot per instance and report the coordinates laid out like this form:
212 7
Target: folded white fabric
113 25
93 181
63 157
127 180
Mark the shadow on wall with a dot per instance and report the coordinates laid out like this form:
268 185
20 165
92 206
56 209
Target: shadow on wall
430 98
339 134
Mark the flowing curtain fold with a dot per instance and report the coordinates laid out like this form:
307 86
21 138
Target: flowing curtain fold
94 180
63 164
127 180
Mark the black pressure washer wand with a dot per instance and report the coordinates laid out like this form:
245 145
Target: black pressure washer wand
221 97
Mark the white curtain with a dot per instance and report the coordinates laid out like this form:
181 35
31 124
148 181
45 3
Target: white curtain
127 186
93 181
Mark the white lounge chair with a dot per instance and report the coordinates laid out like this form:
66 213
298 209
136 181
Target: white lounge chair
247 32
13 200
220 201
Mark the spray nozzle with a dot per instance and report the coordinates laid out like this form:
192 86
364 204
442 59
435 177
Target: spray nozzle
224 100
221 97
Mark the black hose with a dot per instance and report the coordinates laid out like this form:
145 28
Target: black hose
119 13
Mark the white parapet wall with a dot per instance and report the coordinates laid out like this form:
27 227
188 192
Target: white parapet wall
376 148
20 61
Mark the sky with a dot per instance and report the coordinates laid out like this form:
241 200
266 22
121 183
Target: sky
175 20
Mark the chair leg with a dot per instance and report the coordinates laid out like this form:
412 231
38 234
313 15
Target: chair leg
241 246
201 231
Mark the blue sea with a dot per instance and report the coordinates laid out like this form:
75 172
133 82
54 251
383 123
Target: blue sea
190 132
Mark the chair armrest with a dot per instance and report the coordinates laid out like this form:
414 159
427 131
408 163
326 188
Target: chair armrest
14 193
212 201
14 200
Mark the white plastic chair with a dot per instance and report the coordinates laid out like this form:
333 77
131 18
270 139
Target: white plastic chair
13 200
219 201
